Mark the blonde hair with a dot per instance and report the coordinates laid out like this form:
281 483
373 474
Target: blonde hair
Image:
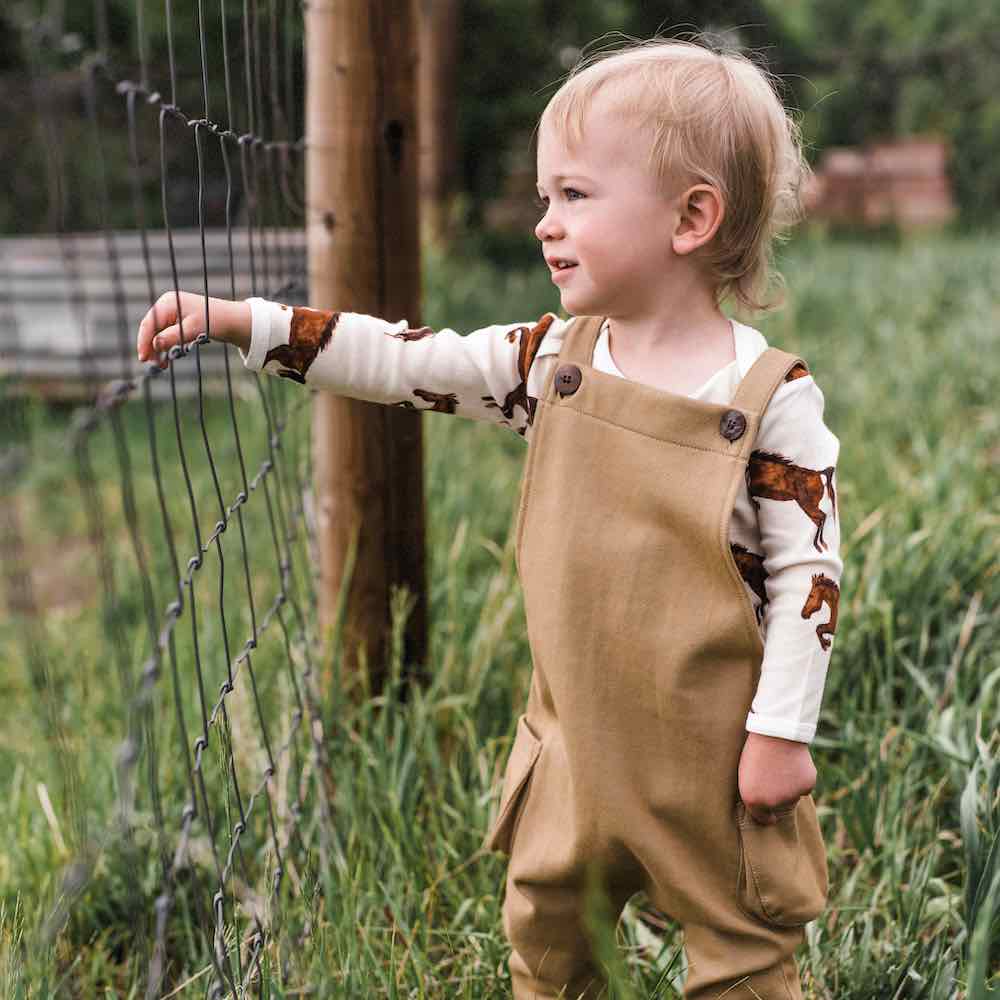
713 117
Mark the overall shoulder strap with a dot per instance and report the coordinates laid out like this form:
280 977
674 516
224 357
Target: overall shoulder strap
762 380
579 340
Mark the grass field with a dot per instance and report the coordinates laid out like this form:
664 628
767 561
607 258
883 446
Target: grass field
902 340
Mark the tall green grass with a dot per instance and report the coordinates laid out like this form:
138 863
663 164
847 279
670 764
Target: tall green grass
902 340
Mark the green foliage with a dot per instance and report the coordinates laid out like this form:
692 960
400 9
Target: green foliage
857 71
47 132
515 53
880 69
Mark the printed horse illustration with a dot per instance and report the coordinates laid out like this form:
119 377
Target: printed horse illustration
775 477
751 567
409 335
824 591
444 402
527 348
309 333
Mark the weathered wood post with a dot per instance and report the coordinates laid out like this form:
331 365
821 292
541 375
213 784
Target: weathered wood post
364 256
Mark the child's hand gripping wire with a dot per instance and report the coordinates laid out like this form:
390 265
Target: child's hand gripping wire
160 329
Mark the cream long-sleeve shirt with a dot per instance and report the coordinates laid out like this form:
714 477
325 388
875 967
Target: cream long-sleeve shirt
787 549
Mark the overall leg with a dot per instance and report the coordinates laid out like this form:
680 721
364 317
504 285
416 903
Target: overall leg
743 898
733 955
741 967
557 865
544 920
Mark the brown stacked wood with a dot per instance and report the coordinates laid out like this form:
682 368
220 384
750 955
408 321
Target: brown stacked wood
902 181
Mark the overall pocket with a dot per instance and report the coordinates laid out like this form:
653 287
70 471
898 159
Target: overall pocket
783 877
520 764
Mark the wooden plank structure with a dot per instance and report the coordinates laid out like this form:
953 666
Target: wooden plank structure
902 181
70 307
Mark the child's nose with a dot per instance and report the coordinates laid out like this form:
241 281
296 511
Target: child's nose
547 227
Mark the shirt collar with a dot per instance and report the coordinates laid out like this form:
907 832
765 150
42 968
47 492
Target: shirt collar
750 342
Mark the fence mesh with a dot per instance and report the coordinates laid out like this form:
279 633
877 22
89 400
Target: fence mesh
178 499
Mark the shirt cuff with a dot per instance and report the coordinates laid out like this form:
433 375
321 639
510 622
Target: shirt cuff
260 334
770 726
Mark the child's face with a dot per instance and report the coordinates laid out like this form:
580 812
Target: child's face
606 215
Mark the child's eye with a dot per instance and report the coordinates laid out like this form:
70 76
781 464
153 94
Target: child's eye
542 203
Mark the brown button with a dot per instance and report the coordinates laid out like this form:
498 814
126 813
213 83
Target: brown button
732 425
567 379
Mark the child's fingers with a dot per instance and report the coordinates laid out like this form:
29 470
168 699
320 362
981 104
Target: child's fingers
162 313
171 336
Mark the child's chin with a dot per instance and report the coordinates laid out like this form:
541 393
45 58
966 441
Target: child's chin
578 305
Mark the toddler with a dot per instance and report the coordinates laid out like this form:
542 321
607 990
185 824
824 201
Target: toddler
677 532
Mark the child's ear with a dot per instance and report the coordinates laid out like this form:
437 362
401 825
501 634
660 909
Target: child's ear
700 210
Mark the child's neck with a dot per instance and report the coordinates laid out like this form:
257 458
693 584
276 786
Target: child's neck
677 317
678 351
699 327
676 338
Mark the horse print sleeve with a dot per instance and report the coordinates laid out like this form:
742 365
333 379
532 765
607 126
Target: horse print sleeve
791 480
482 375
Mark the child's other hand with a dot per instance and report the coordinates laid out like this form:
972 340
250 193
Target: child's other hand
773 774
159 329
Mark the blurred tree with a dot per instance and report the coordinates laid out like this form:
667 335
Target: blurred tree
57 38
857 71
10 54
890 67
438 24
515 53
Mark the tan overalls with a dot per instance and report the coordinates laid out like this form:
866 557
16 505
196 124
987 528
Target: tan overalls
646 657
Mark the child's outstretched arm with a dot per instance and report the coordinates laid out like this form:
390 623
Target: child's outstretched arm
483 375
791 479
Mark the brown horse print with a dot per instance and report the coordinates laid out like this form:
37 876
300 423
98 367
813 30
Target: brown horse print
530 340
777 478
443 402
824 591
751 567
309 333
409 335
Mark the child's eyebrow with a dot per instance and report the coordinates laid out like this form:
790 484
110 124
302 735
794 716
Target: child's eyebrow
564 177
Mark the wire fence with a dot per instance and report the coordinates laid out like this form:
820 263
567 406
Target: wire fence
221 790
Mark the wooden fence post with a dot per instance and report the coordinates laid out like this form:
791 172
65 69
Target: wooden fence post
364 256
